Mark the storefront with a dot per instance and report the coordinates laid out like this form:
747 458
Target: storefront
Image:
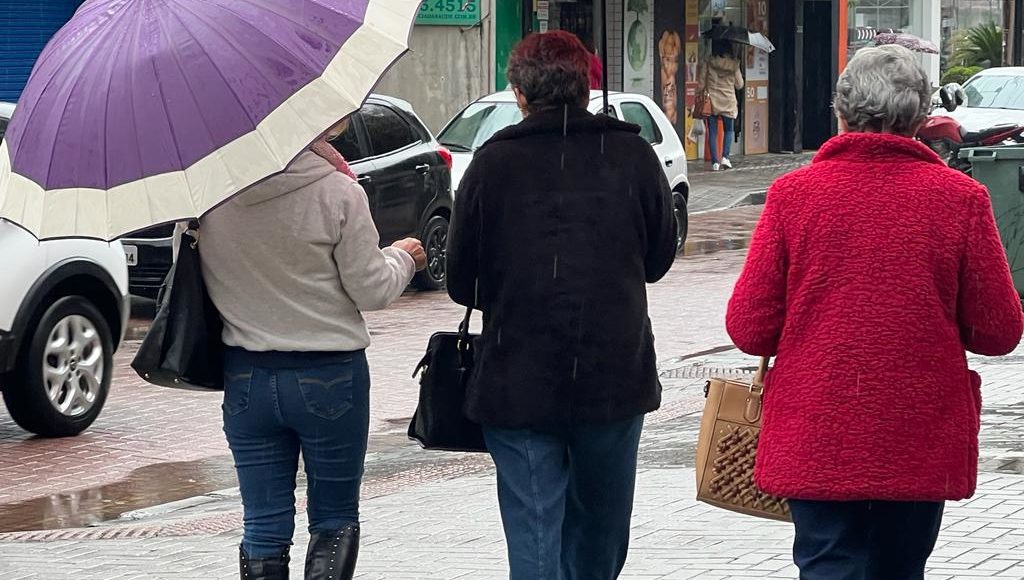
753 122
26 32
655 48
864 18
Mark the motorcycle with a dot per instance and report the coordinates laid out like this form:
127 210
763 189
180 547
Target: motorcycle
947 137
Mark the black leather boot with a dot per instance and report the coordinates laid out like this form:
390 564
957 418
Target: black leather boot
263 569
332 556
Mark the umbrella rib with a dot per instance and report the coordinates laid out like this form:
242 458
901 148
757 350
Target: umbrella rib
272 8
238 99
71 92
315 70
106 160
167 113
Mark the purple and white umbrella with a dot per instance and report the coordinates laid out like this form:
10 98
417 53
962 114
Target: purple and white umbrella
906 40
144 112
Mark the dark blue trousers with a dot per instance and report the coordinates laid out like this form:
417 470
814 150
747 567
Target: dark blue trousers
566 500
864 540
278 404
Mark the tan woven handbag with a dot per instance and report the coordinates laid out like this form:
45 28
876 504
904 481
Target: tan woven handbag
727 445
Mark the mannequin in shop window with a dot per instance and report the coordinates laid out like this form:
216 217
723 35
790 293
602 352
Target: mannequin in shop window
722 78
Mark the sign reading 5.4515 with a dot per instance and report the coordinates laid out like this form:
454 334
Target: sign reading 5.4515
449 12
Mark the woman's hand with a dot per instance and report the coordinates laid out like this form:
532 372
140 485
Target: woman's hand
414 248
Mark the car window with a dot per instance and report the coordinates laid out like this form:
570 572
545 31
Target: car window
349 144
478 123
996 92
639 115
387 130
3 128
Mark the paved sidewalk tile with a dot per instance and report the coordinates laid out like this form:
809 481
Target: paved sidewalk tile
451 530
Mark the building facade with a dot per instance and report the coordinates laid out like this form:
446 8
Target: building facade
459 51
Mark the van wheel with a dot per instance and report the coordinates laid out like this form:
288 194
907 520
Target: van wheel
435 243
63 376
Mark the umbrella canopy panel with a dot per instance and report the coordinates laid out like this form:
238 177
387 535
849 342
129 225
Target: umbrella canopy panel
161 109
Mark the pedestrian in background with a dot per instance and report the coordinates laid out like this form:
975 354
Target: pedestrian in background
559 224
869 275
291 264
722 78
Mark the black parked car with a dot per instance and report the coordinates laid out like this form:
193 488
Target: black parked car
406 174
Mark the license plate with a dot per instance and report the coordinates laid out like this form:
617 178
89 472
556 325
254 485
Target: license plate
131 253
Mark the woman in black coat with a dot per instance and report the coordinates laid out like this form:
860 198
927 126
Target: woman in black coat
560 222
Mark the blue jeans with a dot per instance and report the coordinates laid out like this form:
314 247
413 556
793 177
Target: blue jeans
864 540
566 500
277 404
730 136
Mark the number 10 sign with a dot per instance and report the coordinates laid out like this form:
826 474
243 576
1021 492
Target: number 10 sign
449 12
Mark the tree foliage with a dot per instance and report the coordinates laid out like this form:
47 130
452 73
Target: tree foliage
980 45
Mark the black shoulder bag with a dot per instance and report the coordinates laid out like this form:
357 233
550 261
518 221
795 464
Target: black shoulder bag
183 348
440 422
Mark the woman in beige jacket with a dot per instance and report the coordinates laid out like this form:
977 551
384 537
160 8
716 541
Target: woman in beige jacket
722 78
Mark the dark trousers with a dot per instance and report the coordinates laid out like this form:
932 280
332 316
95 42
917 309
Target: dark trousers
864 540
566 500
277 405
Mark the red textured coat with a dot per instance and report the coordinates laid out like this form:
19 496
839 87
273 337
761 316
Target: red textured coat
869 274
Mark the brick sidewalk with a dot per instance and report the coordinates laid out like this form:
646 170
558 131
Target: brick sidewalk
742 185
449 528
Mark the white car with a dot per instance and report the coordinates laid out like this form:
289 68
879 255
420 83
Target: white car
63 311
995 96
478 122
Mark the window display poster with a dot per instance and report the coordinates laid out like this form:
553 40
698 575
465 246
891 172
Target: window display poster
638 45
670 62
755 116
692 52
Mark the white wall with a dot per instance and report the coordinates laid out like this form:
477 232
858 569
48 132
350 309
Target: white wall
448 67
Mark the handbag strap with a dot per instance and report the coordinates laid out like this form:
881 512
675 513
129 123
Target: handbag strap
464 325
762 370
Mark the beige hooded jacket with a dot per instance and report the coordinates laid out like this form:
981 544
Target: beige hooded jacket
723 78
292 262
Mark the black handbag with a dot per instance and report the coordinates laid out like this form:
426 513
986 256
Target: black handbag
183 348
439 422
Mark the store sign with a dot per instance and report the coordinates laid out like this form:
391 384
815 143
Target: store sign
449 13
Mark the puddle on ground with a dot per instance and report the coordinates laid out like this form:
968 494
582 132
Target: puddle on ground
145 487
389 453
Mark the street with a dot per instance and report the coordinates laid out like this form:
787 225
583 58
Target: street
148 492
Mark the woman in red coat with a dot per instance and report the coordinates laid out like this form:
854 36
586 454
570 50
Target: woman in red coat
870 274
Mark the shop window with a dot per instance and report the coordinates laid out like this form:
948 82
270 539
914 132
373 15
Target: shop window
868 17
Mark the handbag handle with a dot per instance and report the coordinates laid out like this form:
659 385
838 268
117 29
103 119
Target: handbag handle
762 370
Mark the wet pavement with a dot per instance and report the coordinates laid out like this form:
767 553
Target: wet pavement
153 446
148 492
434 515
745 184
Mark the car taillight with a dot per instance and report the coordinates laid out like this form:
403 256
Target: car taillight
447 156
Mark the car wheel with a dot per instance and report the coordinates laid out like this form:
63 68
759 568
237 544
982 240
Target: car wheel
63 377
682 220
435 243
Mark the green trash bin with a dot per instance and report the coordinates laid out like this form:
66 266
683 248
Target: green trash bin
1001 170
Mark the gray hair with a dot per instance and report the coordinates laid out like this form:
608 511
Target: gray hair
883 90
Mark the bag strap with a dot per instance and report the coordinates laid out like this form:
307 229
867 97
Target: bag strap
464 325
762 370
